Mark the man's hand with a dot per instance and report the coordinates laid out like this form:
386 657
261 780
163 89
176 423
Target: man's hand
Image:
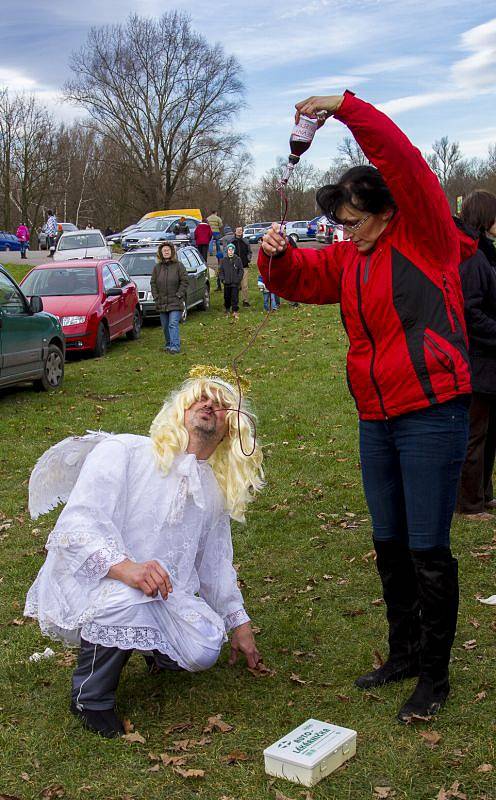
273 241
150 577
243 640
312 105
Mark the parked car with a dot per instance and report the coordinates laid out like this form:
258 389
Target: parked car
327 233
312 227
116 238
32 344
82 244
42 237
156 230
139 265
253 234
96 301
8 241
297 231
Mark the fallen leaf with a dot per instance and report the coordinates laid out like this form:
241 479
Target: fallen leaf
53 791
447 794
372 696
155 768
9 797
378 660
189 773
383 792
378 602
134 737
431 738
25 776
261 671
297 679
179 726
215 723
127 725
181 745
470 645
281 796
343 698
66 659
354 612
18 622
485 768
177 761
481 696
235 756
474 623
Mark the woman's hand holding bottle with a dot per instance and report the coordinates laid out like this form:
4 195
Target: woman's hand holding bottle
313 105
274 242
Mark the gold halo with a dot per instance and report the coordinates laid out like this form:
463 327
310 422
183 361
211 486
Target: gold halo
223 374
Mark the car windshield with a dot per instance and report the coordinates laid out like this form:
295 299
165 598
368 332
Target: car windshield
158 224
81 241
61 282
139 263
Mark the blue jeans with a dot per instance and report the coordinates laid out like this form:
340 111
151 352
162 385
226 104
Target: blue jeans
215 240
410 469
170 325
274 300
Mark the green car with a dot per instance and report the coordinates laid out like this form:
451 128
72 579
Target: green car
32 344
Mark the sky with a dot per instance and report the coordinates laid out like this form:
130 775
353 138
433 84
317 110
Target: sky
430 65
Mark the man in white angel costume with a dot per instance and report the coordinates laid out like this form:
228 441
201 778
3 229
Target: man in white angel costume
141 556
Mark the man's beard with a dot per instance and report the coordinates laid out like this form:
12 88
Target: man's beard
206 430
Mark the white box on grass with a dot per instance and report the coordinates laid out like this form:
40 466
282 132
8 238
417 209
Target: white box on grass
310 752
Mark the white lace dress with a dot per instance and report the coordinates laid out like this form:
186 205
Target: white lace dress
120 505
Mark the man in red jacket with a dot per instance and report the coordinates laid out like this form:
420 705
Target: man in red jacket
396 279
203 234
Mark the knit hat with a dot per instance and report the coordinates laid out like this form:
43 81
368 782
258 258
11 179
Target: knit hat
230 246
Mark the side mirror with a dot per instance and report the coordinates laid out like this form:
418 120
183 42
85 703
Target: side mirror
114 292
36 304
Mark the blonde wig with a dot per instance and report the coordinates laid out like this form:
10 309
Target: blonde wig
240 477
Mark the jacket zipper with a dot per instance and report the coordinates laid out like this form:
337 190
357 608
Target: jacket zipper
369 336
435 346
449 307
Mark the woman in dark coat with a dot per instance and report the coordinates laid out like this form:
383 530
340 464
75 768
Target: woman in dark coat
169 285
478 274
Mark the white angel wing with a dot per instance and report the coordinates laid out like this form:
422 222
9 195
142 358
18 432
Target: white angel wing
489 601
57 471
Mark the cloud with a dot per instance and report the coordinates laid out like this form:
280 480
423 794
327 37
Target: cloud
401 104
479 69
16 81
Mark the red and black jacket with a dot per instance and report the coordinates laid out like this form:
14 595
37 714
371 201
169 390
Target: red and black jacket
402 303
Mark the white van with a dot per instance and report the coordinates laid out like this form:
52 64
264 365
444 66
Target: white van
82 244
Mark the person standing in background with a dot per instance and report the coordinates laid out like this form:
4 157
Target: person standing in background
216 224
51 232
22 234
169 285
243 250
203 234
231 274
477 228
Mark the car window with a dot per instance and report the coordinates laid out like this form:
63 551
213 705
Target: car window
108 279
160 224
81 241
188 262
195 255
11 300
60 282
121 277
191 223
139 263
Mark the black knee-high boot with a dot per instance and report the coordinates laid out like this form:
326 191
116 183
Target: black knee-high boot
399 585
437 579
94 683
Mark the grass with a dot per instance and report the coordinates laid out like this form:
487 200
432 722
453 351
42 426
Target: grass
307 576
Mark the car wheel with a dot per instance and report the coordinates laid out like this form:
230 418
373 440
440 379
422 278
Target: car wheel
205 304
293 237
184 315
135 331
53 370
102 341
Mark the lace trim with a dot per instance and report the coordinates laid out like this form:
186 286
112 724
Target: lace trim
236 619
98 563
129 639
177 507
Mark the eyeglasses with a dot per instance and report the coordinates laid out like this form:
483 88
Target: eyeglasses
351 228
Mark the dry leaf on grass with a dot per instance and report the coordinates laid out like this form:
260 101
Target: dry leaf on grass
53 791
297 679
66 659
485 768
9 797
354 612
281 796
155 768
189 773
175 761
448 794
474 623
127 725
372 696
261 671
343 698
431 738
383 792
134 738
378 602
235 756
470 645
481 696
378 660
178 727
25 776
216 723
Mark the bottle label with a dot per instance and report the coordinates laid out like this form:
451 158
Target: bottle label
305 130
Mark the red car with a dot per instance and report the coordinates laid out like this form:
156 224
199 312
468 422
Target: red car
96 301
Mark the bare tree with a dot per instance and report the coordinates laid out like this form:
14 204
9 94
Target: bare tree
160 93
444 159
10 118
267 203
351 154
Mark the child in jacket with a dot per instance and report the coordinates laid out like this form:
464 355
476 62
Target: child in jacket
231 274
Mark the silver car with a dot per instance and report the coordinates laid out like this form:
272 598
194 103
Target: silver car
42 236
156 230
139 266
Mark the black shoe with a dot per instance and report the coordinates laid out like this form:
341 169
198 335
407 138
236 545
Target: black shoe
427 699
105 722
390 672
246 303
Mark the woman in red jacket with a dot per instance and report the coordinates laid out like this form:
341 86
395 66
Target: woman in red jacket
396 279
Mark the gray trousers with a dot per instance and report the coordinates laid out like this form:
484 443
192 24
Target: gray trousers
97 674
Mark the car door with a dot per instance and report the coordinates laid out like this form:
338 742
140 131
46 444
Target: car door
112 306
22 341
191 268
127 298
201 272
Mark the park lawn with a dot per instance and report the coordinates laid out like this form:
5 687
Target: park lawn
308 577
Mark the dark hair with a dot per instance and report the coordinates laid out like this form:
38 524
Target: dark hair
50 212
160 248
479 210
361 187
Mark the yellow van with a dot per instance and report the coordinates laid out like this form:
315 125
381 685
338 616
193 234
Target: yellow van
175 212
